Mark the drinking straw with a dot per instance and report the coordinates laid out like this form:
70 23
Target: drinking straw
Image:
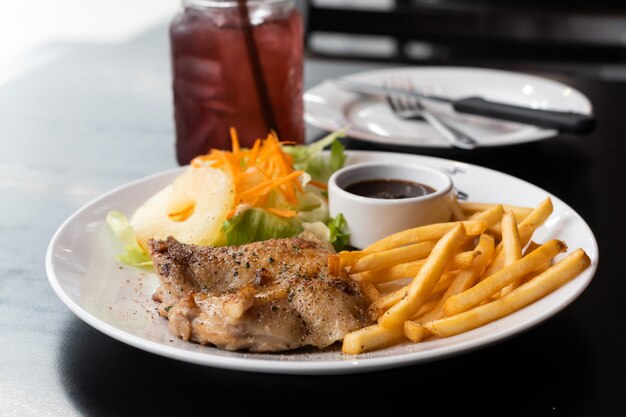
257 70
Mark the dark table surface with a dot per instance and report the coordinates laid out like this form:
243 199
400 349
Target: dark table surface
100 116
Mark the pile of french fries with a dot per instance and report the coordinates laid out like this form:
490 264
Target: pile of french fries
447 278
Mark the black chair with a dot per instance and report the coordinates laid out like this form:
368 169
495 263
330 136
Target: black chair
478 32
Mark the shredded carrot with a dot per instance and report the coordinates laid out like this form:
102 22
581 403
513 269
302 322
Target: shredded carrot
318 184
254 152
235 140
267 186
282 212
278 177
226 163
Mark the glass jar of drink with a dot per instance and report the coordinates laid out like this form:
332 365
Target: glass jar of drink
236 63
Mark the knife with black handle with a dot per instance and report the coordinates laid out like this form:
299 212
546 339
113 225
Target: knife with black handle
568 122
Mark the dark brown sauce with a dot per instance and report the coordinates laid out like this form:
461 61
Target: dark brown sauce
389 189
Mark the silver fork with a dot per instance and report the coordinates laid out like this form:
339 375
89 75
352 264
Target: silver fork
412 109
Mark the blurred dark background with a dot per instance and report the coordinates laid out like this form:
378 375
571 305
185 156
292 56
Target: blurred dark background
583 38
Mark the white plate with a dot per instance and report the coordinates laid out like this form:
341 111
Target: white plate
370 118
82 269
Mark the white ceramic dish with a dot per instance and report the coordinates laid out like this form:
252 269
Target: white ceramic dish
82 270
372 120
371 219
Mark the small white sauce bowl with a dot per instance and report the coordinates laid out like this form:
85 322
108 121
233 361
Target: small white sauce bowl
371 219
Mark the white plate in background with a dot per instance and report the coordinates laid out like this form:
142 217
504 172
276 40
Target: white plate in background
369 118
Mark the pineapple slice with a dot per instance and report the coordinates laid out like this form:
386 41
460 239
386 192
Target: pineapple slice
192 209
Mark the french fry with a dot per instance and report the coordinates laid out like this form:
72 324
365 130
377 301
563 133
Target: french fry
531 247
334 264
511 246
388 258
543 284
464 280
461 260
526 217
414 331
495 231
370 291
492 215
520 212
370 338
494 283
443 283
396 272
422 285
536 272
429 305
539 215
423 233
385 302
349 258
525 232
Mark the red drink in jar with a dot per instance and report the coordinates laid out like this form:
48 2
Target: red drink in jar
216 85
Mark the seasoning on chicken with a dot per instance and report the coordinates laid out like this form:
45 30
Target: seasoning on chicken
262 297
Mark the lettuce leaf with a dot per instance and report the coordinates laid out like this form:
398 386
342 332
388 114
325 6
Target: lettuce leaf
319 229
308 158
333 231
313 206
256 224
339 238
133 254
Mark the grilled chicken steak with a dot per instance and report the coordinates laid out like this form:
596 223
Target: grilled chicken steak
262 297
